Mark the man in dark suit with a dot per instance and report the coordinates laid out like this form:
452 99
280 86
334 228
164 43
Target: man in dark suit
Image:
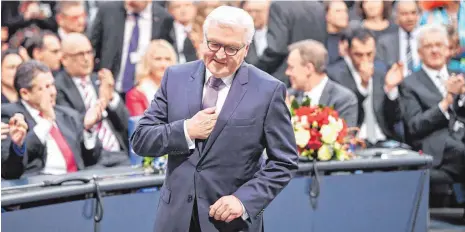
183 13
13 146
121 33
290 22
214 181
376 89
71 17
57 140
306 67
79 88
402 45
426 97
259 10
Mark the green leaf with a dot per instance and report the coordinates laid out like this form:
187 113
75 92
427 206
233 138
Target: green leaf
307 101
294 104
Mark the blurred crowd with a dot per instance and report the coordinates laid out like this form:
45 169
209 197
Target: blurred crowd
74 72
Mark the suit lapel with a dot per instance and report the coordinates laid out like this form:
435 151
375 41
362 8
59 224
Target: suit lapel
195 88
235 95
73 94
27 116
426 80
396 46
324 98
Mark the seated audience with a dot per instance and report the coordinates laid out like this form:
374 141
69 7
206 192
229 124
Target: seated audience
259 11
13 146
80 88
58 141
149 73
376 15
46 48
10 62
376 89
183 13
426 98
400 46
306 67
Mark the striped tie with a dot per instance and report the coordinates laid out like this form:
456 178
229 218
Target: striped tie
409 54
105 133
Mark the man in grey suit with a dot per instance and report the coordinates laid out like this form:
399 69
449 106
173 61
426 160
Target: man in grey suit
426 99
214 118
290 22
306 66
401 46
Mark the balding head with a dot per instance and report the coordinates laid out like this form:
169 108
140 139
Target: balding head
311 51
78 55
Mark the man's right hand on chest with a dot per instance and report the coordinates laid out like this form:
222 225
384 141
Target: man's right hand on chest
201 125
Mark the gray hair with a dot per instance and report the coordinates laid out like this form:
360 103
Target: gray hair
427 29
231 16
26 73
312 51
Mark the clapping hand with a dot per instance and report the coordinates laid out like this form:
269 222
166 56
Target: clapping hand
226 209
455 84
394 76
201 125
18 129
93 115
107 86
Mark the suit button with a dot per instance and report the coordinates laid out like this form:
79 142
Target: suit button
198 168
189 198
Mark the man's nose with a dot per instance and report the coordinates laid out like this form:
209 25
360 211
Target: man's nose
220 54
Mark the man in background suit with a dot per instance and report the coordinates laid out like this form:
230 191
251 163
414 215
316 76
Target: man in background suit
57 140
376 89
306 67
402 45
79 88
71 17
13 146
426 98
122 31
214 181
183 13
290 22
259 10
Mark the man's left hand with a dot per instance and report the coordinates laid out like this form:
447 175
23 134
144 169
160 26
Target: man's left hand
18 129
107 85
226 209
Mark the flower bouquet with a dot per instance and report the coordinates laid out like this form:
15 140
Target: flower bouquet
155 165
320 133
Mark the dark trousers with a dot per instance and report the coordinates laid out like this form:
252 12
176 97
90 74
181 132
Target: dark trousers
195 225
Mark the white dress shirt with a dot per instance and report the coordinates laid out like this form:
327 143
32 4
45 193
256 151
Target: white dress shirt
317 91
403 49
55 163
222 94
145 36
377 134
181 35
260 40
439 82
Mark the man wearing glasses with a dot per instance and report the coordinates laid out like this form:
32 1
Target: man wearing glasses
214 118
71 17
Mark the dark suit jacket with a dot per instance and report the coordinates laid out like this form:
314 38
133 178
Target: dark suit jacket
341 98
254 117
188 49
290 22
68 95
388 48
70 124
107 33
387 112
426 125
252 56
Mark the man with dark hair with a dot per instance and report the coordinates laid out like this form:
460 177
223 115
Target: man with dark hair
376 89
46 48
57 140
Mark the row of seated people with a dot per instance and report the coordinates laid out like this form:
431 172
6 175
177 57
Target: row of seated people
424 109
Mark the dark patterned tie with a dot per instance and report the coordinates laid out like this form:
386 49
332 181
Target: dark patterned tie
409 54
130 67
214 85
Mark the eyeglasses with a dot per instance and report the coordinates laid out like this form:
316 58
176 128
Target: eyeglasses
228 50
81 54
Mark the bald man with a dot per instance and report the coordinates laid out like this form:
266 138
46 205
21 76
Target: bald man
79 88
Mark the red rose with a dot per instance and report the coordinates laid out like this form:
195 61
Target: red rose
315 139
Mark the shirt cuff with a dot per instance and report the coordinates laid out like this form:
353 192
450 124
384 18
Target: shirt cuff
90 139
393 94
190 142
446 114
245 215
42 129
114 102
19 150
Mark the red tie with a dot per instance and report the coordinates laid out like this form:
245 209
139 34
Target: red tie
64 148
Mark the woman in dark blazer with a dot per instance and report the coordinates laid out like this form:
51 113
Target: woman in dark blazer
10 62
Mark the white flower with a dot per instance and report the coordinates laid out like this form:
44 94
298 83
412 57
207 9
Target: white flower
301 137
325 153
329 134
337 124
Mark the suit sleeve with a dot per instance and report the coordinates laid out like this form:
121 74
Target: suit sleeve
89 156
154 135
281 147
96 32
347 109
420 123
14 160
277 39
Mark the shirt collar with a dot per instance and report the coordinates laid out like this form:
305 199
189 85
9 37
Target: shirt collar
79 80
434 73
318 89
226 80
145 14
181 28
32 111
403 33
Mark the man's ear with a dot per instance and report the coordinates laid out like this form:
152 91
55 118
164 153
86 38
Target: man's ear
24 94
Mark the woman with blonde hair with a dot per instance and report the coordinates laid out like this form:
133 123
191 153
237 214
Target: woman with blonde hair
149 73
